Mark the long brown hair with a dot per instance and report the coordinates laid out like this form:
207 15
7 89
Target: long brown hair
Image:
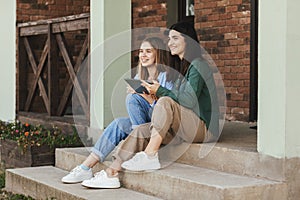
192 50
160 58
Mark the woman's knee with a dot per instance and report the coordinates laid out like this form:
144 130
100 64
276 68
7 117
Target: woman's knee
141 131
165 101
123 123
131 98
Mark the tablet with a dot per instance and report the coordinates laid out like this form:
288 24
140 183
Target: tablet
136 85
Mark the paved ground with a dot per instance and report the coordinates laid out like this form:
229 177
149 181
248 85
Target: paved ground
239 135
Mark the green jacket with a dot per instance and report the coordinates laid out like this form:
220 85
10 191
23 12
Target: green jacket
197 91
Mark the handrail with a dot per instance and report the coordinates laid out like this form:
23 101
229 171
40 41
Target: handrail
61 24
54 20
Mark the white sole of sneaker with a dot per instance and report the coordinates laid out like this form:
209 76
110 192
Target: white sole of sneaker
141 171
66 182
101 186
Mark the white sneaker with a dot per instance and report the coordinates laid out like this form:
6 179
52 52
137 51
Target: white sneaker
101 180
77 175
142 162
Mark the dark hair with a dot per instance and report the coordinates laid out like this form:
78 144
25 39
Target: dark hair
160 59
192 50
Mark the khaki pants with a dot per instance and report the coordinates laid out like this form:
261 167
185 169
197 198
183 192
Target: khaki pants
176 124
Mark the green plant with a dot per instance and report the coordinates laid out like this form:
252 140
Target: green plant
28 135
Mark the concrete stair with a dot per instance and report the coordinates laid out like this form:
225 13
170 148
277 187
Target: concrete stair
230 171
44 183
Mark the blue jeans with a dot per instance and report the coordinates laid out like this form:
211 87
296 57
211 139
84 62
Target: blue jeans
116 131
139 112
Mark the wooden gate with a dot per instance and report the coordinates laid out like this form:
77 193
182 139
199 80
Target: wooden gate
53 70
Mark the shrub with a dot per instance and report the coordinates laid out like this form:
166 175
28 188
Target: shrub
28 135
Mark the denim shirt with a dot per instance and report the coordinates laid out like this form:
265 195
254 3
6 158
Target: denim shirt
162 79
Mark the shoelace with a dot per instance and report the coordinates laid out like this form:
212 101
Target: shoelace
138 157
98 175
75 170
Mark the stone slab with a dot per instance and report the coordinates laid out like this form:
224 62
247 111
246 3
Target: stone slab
44 183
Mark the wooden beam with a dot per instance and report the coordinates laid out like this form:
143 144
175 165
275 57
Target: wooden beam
62 24
37 72
53 73
77 87
21 79
54 20
71 26
69 84
34 30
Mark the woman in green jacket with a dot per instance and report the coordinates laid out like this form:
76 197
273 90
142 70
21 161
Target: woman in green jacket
188 113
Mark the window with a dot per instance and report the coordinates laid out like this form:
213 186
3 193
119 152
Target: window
189 7
186 10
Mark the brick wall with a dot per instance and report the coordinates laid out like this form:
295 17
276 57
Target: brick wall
224 31
151 13
32 10
147 14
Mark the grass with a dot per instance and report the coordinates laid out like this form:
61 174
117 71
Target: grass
7 195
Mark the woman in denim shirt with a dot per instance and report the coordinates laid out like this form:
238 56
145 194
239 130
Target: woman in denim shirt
151 67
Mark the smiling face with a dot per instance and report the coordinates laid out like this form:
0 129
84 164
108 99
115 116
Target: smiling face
176 43
147 54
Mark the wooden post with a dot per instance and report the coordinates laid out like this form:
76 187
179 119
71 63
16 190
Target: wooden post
53 73
21 74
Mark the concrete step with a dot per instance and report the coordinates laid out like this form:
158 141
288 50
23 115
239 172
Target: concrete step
233 160
235 152
220 157
44 183
181 181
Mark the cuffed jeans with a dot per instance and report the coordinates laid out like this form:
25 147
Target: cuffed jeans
138 109
116 131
